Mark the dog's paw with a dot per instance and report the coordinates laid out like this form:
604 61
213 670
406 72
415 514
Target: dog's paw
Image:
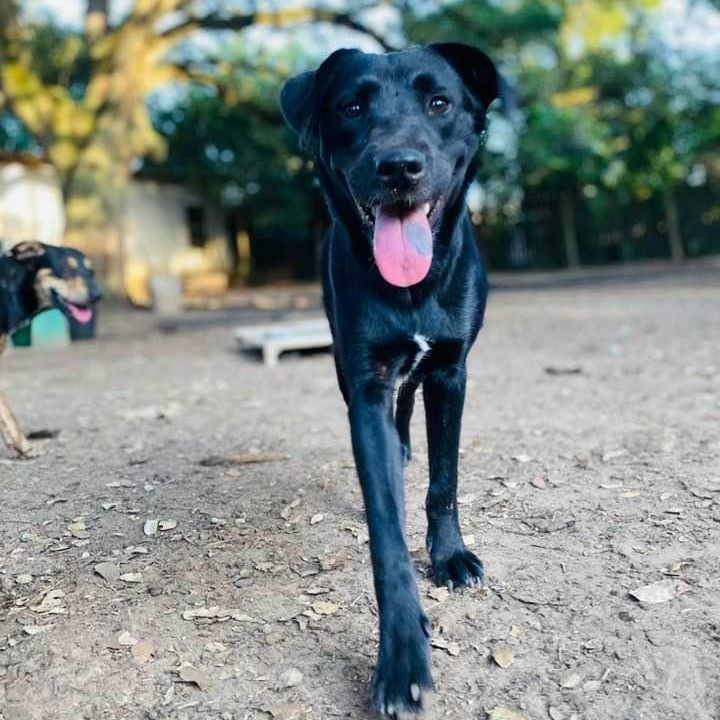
406 451
461 569
403 680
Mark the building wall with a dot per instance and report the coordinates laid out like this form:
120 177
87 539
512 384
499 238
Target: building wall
30 204
157 241
155 233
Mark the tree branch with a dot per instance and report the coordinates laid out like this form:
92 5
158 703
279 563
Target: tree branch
280 18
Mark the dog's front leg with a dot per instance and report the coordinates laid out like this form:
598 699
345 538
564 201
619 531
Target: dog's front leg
403 673
444 394
10 431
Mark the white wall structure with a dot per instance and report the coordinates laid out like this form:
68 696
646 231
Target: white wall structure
157 240
30 202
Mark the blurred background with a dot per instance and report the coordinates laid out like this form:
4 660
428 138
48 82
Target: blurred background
147 132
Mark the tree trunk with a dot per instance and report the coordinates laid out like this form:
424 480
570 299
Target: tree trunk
677 251
95 207
570 241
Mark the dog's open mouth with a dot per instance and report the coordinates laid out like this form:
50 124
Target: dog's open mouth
402 240
80 313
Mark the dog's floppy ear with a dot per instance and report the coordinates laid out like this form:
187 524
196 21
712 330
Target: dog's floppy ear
476 69
28 250
302 95
297 100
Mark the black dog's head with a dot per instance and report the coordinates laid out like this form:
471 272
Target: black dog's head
395 137
39 276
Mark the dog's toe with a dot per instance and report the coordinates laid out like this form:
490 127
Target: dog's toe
403 681
461 569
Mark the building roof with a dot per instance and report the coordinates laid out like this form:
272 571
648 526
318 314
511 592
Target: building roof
23 158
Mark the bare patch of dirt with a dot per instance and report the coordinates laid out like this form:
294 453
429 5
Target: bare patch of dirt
140 581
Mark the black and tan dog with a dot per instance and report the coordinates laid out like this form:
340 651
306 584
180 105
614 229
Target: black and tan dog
36 277
395 138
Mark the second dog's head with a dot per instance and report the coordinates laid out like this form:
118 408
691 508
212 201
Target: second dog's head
57 277
395 136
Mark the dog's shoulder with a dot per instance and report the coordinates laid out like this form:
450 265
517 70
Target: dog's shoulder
12 276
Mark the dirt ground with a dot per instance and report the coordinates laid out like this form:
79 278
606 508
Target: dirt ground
590 468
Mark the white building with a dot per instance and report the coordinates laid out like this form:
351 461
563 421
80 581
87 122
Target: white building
166 229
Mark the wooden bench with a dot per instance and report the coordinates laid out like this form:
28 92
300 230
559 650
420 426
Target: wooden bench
276 338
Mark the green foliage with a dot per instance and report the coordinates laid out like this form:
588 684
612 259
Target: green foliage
238 153
603 105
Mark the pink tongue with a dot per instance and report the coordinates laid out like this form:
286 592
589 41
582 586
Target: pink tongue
402 246
82 315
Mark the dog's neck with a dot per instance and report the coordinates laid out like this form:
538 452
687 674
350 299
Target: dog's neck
18 302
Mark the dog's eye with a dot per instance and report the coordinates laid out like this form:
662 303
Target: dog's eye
438 105
351 109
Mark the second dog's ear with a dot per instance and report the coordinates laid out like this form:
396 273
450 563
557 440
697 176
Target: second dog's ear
302 96
476 69
28 250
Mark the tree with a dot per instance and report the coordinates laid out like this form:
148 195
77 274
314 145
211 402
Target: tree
604 104
82 96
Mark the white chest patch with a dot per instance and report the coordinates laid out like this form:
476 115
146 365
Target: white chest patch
423 348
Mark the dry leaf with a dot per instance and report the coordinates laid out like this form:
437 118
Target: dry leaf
136 550
564 370
126 639
246 458
502 654
660 591
151 527
165 525
212 612
36 629
190 674
317 518
286 711
316 590
23 579
522 458
676 567
571 681
555 714
504 713
215 647
143 651
52 603
108 571
131 577
324 607
515 631
78 530
285 512
290 678
440 594
218 613
452 648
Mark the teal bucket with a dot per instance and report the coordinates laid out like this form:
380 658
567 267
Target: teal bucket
48 330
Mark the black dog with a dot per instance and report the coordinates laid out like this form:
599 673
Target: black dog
36 277
395 137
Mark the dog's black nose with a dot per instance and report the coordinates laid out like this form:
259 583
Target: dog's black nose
402 164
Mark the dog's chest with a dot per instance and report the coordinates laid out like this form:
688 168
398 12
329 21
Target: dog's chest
423 348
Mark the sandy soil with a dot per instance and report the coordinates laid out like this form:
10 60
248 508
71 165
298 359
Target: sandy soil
590 468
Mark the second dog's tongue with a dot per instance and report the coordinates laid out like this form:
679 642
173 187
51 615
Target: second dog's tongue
402 246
